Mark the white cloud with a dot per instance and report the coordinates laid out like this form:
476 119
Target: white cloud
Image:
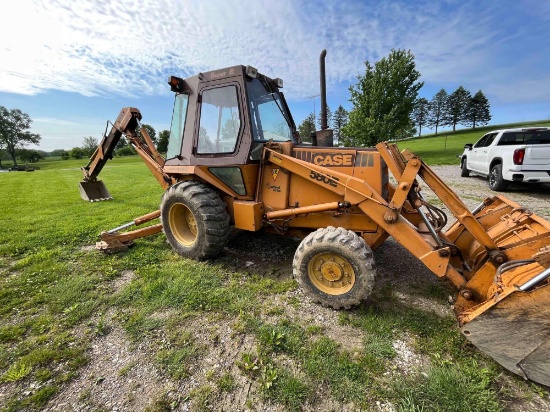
51 120
103 47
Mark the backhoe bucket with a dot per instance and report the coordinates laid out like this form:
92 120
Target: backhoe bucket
504 308
94 191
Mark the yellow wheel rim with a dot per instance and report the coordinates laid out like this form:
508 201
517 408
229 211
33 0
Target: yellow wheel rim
331 273
182 224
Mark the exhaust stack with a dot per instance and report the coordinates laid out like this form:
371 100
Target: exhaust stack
323 82
325 135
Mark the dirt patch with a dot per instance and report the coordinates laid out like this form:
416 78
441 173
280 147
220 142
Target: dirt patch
407 360
307 313
425 304
118 378
259 253
8 390
87 248
122 281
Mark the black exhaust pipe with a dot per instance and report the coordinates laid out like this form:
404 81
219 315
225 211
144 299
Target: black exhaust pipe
323 81
325 135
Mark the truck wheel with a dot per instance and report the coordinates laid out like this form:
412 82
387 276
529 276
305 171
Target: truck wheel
464 172
194 220
496 182
334 267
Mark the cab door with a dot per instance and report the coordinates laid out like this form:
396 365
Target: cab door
475 154
483 154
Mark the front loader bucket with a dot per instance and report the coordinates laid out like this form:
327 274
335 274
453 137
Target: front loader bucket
504 307
516 333
94 191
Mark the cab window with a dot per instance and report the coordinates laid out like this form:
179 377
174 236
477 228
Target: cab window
220 122
490 139
481 142
178 123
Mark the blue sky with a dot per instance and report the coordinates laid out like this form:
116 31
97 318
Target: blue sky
72 65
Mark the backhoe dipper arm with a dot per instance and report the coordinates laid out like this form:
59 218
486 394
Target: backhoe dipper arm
126 124
127 119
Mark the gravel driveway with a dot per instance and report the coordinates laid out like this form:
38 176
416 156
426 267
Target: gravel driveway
472 190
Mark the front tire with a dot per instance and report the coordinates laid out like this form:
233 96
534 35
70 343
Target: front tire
194 219
334 267
464 172
496 181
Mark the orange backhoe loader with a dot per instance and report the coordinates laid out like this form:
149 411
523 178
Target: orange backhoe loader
235 159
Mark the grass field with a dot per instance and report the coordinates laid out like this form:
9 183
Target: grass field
444 148
60 299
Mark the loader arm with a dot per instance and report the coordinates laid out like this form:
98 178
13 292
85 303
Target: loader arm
359 193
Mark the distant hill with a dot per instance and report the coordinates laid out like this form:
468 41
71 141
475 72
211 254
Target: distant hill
444 148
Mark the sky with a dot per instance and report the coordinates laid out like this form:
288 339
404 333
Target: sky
72 65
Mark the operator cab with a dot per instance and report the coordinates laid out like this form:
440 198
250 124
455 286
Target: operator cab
223 117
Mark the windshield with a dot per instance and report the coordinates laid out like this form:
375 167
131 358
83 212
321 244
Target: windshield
266 113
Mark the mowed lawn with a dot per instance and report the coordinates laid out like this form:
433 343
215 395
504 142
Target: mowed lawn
444 148
58 296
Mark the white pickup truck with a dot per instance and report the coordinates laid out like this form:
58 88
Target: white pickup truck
509 155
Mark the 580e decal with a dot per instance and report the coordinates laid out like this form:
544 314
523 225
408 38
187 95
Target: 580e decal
328 180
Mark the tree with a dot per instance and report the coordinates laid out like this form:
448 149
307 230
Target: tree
420 113
120 144
162 145
329 117
89 146
383 99
229 130
14 131
339 120
306 127
30 155
457 107
478 110
77 153
57 153
438 110
127 150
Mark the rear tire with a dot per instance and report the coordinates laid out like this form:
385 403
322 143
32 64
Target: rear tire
194 219
334 267
464 172
496 181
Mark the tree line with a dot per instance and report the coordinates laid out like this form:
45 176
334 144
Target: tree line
460 107
122 148
15 136
386 106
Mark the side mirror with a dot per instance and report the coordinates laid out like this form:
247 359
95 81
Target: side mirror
468 146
